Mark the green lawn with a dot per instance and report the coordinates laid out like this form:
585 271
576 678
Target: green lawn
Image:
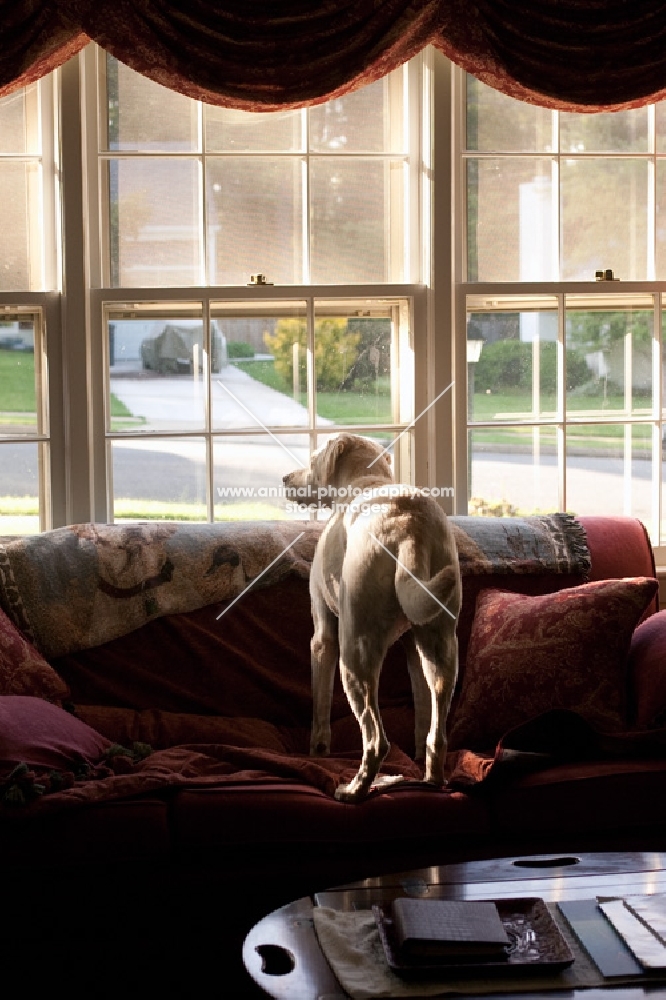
262 371
20 515
17 381
375 407
17 388
514 406
370 406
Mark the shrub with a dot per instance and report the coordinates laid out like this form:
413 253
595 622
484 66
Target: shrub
336 350
507 364
239 349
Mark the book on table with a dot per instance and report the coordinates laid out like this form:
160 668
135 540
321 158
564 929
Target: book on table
625 937
437 930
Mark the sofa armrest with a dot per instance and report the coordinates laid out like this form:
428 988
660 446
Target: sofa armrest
647 674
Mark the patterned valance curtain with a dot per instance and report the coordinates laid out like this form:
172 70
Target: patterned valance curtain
577 55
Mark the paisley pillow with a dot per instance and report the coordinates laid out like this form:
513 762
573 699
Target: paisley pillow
566 650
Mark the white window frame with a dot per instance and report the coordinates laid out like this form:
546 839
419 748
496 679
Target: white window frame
88 480
46 304
558 290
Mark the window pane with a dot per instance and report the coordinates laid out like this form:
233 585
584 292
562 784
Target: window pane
19 488
513 471
497 123
510 229
159 479
604 218
231 131
660 121
368 120
511 362
154 219
142 115
18 378
609 470
19 122
616 132
354 349
156 373
609 355
660 262
255 219
248 477
258 386
356 220
21 248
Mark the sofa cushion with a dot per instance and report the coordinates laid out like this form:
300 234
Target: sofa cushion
567 650
24 671
583 798
210 819
647 667
32 731
167 729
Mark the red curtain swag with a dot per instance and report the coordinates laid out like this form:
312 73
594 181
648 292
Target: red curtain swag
265 55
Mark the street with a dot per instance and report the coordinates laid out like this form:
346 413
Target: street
173 469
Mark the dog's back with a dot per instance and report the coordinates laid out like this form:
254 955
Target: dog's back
411 530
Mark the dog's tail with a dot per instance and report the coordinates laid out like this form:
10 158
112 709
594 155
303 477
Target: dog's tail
423 599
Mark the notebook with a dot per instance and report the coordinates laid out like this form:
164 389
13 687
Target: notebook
437 929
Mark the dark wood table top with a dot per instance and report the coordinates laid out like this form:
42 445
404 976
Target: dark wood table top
283 956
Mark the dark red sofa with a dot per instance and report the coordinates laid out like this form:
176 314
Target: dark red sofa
179 869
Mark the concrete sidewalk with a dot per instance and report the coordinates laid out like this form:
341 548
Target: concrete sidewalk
169 403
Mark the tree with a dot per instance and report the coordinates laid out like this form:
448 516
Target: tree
597 331
336 350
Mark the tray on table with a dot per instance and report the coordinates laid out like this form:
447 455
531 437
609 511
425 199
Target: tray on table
536 944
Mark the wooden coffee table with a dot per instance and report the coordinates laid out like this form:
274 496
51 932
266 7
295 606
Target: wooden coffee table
283 956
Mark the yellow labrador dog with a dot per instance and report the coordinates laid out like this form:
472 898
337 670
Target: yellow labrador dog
386 562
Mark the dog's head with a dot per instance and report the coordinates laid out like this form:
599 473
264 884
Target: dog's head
343 461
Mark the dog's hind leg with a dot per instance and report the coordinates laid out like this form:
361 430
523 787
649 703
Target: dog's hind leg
324 659
361 659
420 693
437 645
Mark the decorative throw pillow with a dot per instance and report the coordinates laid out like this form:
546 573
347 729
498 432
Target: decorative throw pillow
34 732
23 670
565 650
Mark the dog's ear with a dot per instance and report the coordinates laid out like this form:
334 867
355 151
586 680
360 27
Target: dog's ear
334 449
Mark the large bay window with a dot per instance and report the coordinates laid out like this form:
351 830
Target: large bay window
478 283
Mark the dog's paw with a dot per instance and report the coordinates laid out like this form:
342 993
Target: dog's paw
349 793
385 780
319 749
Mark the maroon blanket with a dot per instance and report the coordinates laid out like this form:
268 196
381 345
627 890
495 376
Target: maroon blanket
552 738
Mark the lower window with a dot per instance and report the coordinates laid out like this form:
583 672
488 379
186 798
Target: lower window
210 403
24 437
564 405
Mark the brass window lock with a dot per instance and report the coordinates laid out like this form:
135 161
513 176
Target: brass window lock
259 279
606 275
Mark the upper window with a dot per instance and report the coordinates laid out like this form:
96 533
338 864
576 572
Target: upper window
21 209
558 196
212 396
194 194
